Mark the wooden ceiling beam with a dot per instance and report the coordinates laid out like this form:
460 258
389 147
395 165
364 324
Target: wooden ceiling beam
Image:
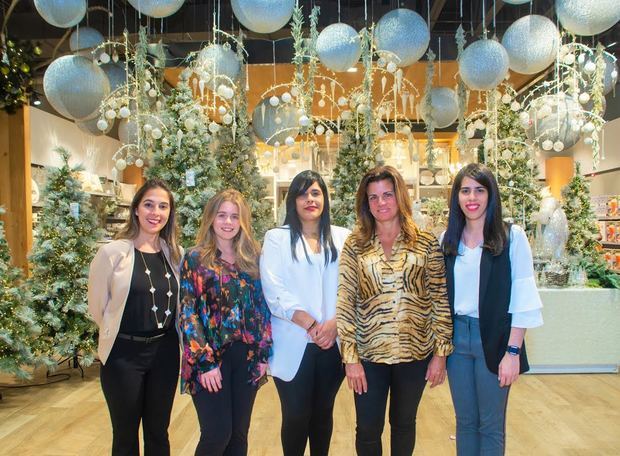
435 12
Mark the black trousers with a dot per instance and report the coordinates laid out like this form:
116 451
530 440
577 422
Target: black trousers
405 384
224 416
307 402
139 382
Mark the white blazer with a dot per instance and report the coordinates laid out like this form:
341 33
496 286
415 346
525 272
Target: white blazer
291 285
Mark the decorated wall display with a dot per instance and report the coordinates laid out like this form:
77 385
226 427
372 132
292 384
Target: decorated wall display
75 86
263 16
402 36
61 13
483 64
157 8
531 43
587 17
339 47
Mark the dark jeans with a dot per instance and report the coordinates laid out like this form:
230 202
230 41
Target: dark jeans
405 383
224 416
307 402
139 382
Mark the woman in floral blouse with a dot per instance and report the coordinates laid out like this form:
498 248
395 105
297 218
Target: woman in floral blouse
225 324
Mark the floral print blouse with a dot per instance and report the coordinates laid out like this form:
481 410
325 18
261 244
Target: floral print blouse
218 307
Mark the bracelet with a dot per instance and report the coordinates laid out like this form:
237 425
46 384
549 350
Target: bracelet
311 326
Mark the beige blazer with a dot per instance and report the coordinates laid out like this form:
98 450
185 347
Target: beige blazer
109 279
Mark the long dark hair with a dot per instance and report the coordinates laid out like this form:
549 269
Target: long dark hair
298 187
365 227
495 232
168 233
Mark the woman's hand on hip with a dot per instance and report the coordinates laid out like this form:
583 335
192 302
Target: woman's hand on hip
508 371
212 380
436 371
324 334
356 377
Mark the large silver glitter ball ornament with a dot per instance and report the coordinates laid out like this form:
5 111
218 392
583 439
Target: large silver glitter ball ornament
61 13
75 86
564 114
157 8
404 34
339 47
90 127
220 63
267 129
116 75
444 107
263 16
587 17
516 2
85 38
483 64
128 131
531 43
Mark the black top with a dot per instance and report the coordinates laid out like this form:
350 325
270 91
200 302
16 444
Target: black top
138 316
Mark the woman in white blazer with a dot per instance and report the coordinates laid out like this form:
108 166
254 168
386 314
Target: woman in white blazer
133 296
299 274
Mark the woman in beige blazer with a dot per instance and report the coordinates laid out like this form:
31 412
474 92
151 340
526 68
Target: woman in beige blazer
133 289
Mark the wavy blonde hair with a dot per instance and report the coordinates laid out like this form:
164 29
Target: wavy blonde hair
365 226
247 249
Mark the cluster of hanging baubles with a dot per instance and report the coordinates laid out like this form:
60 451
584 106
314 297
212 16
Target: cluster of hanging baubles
75 85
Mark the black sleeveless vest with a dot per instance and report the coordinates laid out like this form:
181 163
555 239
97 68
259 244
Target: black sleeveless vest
494 301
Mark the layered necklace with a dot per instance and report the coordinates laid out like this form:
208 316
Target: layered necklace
167 313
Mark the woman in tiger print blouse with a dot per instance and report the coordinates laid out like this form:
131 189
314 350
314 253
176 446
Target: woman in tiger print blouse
392 312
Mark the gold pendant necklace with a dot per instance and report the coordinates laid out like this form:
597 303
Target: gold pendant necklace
147 271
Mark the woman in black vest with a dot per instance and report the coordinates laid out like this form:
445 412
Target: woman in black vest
493 299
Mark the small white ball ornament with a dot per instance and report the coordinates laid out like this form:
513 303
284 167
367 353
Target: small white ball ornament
588 141
588 127
506 98
110 114
589 67
547 144
156 133
274 101
102 125
289 141
479 124
584 98
222 110
515 106
342 101
391 67
558 146
147 127
139 162
121 164
227 119
278 120
320 129
304 121
214 127
189 123
104 57
124 112
569 59
286 97
276 144
321 103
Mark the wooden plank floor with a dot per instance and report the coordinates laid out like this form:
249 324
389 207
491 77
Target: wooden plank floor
548 415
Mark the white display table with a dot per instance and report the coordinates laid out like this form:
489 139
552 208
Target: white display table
581 332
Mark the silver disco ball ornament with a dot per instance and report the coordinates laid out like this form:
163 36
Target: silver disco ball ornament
157 8
85 38
516 2
339 47
531 43
267 129
483 64
75 86
555 118
128 131
116 75
263 16
587 17
402 33
61 13
220 65
444 107
90 127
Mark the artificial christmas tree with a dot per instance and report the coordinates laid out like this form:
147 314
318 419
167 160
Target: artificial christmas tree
66 241
18 328
184 160
583 232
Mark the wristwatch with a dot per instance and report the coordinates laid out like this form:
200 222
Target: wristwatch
513 350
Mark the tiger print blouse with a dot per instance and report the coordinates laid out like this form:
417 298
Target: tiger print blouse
396 310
